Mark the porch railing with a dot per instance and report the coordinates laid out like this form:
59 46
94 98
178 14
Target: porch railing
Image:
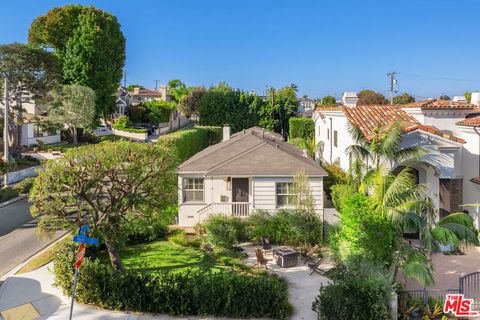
235 209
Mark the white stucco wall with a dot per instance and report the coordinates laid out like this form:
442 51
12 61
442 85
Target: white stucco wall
28 138
333 121
471 154
441 119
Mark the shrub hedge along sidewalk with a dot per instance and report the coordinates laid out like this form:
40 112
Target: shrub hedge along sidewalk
226 294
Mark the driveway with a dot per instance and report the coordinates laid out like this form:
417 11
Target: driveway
448 268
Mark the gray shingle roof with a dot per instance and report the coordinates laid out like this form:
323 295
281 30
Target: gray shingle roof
253 152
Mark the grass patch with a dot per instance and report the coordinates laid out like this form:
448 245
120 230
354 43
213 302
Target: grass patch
43 258
166 256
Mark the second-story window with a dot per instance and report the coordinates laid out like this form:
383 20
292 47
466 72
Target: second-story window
328 134
335 138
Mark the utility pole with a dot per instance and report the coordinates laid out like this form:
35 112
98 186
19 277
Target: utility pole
156 84
5 131
125 78
393 82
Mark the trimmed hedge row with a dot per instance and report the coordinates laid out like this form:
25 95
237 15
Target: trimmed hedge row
301 128
186 143
220 294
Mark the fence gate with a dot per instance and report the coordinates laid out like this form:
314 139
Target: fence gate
469 286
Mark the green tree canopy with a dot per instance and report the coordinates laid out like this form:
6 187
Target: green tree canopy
370 97
133 86
329 101
281 104
189 103
91 48
105 186
403 99
444 97
73 106
223 105
28 68
177 89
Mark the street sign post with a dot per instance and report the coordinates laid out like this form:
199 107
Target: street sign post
83 240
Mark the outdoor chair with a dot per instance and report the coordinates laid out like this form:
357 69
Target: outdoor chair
309 255
266 246
315 267
261 260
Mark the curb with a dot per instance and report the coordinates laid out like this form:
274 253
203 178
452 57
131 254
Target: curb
18 198
14 270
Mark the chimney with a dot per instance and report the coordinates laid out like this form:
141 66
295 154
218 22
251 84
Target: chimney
350 99
459 99
163 90
226 132
136 90
475 99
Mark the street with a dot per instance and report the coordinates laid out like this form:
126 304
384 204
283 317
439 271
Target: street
18 237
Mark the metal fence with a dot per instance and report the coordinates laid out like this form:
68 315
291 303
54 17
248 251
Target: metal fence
423 296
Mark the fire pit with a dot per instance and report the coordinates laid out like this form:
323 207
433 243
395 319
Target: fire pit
285 257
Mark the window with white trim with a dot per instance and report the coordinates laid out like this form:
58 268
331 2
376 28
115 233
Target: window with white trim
335 138
192 190
285 194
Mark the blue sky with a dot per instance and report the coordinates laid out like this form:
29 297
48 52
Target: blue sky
325 47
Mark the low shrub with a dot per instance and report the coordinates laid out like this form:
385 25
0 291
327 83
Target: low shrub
223 231
7 194
186 143
24 186
123 123
296 228
223 294
340 192
359 291
145 230
303 128
181 239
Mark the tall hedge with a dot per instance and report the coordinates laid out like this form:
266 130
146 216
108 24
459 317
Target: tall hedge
223 294
301 128
186 143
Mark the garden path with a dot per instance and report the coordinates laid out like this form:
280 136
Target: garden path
302 288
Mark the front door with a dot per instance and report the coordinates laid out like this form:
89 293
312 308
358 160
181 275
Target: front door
240 192
240 189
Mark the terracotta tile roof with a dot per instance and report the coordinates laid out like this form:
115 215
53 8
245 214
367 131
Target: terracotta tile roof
438 104
470 122
367 118
475 180
145 92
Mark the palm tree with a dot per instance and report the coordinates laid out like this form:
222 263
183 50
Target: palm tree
309 145
383 149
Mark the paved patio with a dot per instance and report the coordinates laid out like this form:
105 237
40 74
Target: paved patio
302 288
448 268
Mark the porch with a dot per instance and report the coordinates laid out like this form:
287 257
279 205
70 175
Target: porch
234 209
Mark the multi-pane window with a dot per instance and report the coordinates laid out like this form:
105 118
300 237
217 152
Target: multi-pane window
37 131
328 134
285 194
193 190
335 138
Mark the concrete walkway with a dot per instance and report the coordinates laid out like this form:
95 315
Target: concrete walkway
302 287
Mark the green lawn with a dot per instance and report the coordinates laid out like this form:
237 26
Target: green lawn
164 255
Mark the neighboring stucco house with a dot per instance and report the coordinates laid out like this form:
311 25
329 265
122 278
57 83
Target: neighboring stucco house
305 106
452 166
252 170
123 101
139 95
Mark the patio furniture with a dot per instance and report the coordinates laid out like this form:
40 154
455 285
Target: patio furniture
315 267
285 257
309 255
266 246
261 260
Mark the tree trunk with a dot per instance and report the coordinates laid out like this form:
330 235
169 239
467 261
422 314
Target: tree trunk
114 256
74 136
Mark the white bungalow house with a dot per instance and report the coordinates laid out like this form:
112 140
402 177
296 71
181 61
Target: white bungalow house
447 129
252 170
